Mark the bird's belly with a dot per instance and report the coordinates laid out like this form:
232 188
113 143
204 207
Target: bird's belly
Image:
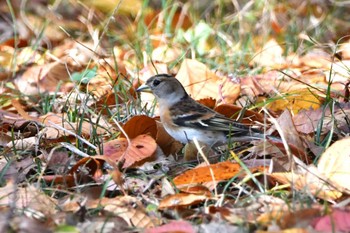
186 135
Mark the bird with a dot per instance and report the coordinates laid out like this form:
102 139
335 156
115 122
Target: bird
185 119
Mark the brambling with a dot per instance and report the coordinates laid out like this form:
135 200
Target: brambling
185 119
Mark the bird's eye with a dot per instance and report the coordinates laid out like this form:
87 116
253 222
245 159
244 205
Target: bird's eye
156 82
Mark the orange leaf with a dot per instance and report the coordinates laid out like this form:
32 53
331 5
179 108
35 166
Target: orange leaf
196 189
209 102
142 147
222 171
92 163
233 111
138 125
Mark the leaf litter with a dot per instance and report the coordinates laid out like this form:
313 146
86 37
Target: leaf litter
66 165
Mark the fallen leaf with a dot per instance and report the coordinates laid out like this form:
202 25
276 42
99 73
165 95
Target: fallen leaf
337 221
27 198
126 207
165 54
222 171
138 125
306 121
196 189
84 171
142 147
173 226
200 82
236 112
181 199
309 182
289 219
334 164
130 7
316 58
57 126
296 100
209 102
271 55
42 78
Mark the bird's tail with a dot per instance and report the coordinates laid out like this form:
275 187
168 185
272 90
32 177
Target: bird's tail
246 134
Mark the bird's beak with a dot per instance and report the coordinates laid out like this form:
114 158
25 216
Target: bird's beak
144 88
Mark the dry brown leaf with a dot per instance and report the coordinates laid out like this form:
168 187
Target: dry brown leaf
191 153
138 125
131 210
27 198
20 109
126 207
165 54
181 199
42 78
290 133
271 55
142 147
82 172
117 176
288 219
6 58
179 20
209 102
94 167
344 49
23 144
306 121
338 72
334 164
316 58
4 139
151 70
54 123
233 111
309 182
222 171
274 82
200 82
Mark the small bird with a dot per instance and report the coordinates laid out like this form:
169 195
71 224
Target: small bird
185 119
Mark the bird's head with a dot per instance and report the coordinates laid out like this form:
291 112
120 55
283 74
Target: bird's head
165 87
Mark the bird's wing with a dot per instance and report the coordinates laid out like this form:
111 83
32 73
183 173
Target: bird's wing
203 118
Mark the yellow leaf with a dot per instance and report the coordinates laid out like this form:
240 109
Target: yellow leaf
335 163
125 7
200 82
296 100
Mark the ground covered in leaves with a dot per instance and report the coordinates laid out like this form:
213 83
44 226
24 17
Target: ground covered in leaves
81 151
